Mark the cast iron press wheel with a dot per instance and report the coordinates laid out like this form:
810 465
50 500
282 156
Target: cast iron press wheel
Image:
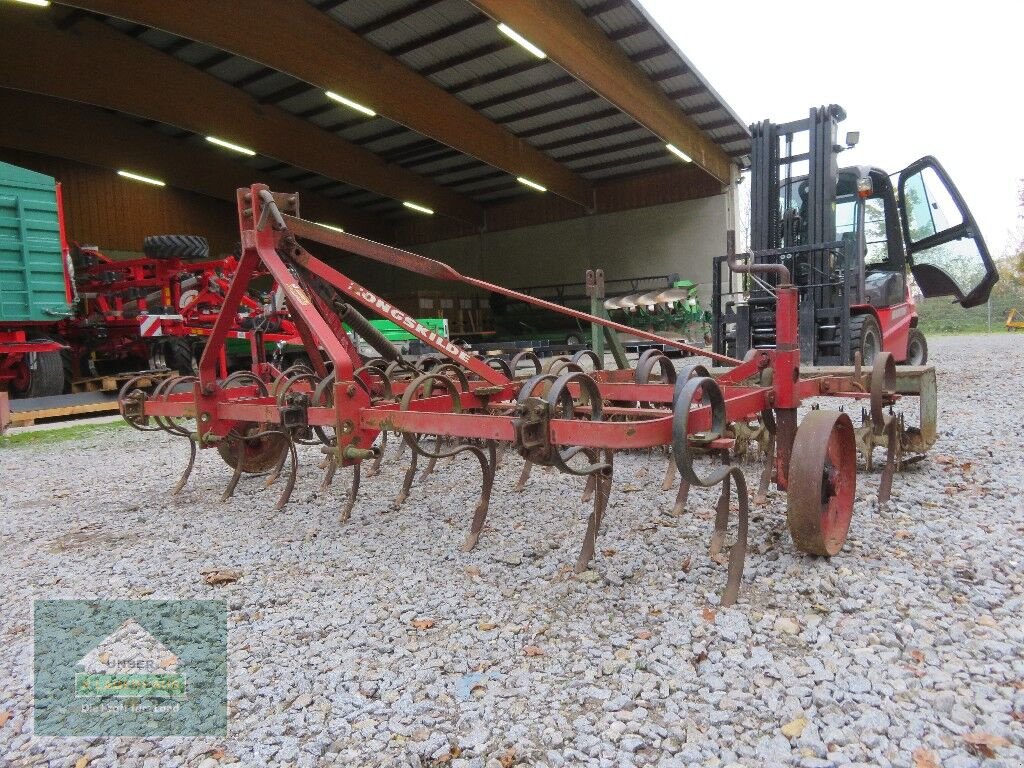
176 247
917 348
822 482
259 455
865 337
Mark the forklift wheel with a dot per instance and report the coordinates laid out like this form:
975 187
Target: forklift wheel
917 348
865 337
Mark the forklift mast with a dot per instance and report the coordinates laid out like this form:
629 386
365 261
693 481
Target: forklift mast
792 221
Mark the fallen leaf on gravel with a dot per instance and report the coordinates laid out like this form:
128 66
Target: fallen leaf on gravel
104 657
685 567
472 570
925 758
901 534
509 758
794 728
709 614
943 459
966 466
533 650
82 762
984 744
655 612
917 655
4 717
1018 715
486 626
168 661
447 757
216 577
643 634
423 623
607 552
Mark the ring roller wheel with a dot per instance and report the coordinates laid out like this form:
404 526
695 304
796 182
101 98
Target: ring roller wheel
259 455
822 483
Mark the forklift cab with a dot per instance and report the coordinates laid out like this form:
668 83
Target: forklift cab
924 223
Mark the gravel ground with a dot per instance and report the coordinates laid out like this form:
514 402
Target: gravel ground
377 642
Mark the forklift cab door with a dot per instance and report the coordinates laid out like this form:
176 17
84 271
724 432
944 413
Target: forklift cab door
947 253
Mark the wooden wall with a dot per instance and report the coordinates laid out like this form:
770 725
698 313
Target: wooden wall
106 210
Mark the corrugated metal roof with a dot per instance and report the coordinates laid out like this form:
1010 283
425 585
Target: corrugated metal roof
454 45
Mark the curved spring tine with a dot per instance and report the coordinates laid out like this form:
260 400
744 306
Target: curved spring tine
236 475
761 497
603 485
721 518
499 457
488 465
292 474
679 505
892 458
670 473
588 489
276 473
401 449
429 469
524 477
346 511
407 483
375 466
739 550
332 467
188 470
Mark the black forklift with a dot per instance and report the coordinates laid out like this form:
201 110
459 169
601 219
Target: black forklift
854 245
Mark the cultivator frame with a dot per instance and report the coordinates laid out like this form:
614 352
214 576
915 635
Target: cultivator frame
569 413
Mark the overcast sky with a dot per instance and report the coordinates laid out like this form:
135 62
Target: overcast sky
915 78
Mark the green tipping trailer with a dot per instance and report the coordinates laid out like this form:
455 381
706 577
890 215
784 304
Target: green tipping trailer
35 288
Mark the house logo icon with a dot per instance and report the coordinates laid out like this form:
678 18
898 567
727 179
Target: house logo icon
130 662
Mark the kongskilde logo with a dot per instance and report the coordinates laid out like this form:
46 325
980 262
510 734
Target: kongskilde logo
410 323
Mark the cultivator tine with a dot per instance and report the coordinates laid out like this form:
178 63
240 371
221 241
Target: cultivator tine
293 472
237 474
679 506
332 467
588 488
892 458
346 510
410 475
670 474
488 466
276 472
524 477
721 517
738 553
375 466
768 456
188 469
603 488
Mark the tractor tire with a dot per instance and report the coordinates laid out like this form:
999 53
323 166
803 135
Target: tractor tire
176 247
47 378
917 348
865 337
574 339
180 356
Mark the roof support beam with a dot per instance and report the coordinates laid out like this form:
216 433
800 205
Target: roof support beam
53 127
103 67
572 41
292 36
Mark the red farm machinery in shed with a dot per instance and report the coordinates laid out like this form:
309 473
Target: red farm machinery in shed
567 413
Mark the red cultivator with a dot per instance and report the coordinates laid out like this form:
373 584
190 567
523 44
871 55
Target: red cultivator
568 413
